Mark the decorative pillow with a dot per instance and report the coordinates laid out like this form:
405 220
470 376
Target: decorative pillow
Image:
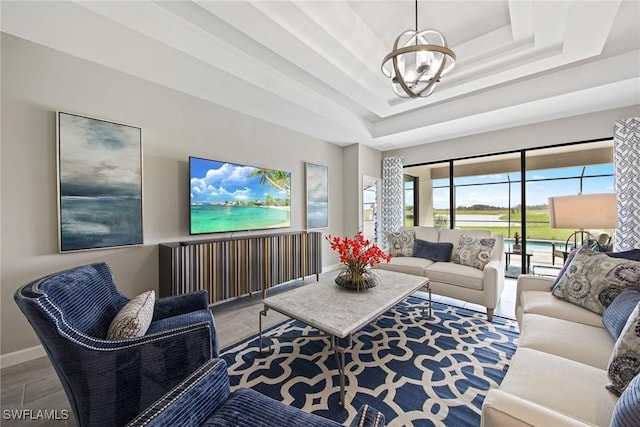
134 318
567 262
631 254
433 250
593 279
625 360
401 242
616 315
626 413
474 251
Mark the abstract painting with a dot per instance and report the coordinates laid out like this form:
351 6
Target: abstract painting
99 183
317 196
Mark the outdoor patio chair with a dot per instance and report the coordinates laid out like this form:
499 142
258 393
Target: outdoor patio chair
109 382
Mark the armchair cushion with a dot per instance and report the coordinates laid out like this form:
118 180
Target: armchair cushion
134 318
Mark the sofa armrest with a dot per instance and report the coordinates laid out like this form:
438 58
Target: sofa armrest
192 401
180 304
504 409
368 417
493 282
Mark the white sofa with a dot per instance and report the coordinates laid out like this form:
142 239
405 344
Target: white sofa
462 282
558 374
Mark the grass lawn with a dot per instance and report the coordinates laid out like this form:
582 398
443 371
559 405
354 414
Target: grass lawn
538 227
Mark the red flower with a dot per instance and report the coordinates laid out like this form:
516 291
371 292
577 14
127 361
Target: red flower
357 253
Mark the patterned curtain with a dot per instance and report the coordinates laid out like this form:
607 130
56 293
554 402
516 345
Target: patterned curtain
626 144
392 197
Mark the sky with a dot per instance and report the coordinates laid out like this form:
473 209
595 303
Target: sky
218 182
538 192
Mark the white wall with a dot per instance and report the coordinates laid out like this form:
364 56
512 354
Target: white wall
572 129
37 81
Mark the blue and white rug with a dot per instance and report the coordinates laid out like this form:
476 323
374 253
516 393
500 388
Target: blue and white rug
417 371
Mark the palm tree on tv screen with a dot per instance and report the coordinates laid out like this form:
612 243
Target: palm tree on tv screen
278 179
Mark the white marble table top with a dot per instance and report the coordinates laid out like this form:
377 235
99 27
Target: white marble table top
340 312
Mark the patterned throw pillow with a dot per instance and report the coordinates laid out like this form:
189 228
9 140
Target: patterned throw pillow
134 318
593 279
625 360
474 251
401 242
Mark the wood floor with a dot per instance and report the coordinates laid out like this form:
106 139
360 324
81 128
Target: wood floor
34 385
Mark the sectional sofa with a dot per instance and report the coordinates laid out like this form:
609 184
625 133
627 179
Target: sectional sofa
448 278
567 355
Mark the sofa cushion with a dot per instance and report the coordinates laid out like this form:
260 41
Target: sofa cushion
625 360
627 410
408 265
560 384
593 279
430 234
134 318
591 345
432 250
474 251
401 243
616 315
455 274
544 303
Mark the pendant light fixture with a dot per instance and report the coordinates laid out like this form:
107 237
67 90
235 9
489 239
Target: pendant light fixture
418 60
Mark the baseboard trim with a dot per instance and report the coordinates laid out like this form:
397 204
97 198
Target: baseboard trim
21 356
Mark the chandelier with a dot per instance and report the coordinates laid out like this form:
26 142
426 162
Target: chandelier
418 60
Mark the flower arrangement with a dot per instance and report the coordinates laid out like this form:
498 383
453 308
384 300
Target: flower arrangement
357 254
516 237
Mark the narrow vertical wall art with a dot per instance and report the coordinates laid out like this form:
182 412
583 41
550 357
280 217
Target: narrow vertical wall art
317 196
99 183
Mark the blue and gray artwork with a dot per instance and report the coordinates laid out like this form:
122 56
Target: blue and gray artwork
100 183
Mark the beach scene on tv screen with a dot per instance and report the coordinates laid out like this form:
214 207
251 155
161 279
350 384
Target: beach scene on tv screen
233 197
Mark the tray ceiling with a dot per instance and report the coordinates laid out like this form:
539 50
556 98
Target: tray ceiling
314 66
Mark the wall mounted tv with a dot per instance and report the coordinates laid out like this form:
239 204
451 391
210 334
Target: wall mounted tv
233 197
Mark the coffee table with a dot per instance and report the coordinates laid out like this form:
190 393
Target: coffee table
338 313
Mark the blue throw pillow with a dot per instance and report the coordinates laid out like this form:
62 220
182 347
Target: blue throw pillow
432 250
627 410
631 254
615 316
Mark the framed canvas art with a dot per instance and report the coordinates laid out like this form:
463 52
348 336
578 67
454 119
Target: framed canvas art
99 165
317 196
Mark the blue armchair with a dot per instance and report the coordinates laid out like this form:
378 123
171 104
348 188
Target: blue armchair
205 398
109 382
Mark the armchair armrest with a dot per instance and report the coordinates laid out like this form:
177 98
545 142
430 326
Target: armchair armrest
368 417
180 304
192 401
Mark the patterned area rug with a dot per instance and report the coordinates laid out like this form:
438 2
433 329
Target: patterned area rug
417 371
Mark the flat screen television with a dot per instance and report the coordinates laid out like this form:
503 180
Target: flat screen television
234 197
